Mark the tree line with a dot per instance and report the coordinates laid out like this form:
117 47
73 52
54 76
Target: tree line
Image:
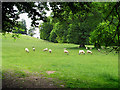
70 22
83 23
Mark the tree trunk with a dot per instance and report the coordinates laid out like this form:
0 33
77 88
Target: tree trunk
82 45
97 45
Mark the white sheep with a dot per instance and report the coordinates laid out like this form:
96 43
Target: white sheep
46 49
81 51
86 47
27 50
90 47
99 50
65 51
33 48
50 50
102 47
88 51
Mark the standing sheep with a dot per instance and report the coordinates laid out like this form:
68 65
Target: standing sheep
33 48
27 50
50 50
81 51
86 48
90 47
88 51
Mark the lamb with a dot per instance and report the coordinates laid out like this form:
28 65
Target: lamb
46 49
65 51
33 48
27 50
86 47
99 50
81 51
50 50
88 51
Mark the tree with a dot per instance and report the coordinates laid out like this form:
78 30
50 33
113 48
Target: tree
31 31
109 29
110 26
76 25
53 36
9 15
45 29
60 29
103 34
107 11
22 27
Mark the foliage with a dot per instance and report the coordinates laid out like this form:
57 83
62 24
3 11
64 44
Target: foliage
10 15
107 32
70 21
45 29
21 28
53 36
31 31
60 29
103 34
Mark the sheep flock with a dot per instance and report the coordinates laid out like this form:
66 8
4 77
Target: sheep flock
65 50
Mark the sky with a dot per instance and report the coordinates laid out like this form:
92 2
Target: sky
28 22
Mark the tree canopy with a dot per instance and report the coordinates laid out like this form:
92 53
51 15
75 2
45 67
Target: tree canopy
10 15
72 22
81 22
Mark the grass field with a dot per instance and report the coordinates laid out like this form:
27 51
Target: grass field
76 71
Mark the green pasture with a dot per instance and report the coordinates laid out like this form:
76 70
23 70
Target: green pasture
75 71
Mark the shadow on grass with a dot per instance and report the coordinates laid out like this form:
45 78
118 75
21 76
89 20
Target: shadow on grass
91 84
75 48
109 77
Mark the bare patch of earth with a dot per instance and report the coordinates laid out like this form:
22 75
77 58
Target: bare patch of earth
11 79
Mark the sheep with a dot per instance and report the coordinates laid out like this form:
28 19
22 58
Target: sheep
86 47
102 47
33 48
81 51
46 49
99 50
90 47
65 51
88 51
27 50
50 50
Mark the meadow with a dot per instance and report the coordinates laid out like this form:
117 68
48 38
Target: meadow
75 71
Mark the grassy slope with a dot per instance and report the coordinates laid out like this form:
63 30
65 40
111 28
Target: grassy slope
77 71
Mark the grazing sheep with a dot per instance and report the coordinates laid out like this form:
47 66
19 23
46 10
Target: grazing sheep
65 51
50 50
81 51
86 47
99 50
33 48
27 50
90 47
46 49
102 47
88 51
